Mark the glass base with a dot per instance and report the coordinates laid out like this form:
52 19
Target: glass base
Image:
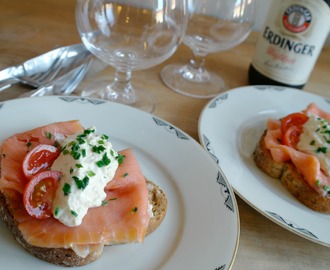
137 98
175 78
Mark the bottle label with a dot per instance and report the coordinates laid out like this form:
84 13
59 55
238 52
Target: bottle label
292 40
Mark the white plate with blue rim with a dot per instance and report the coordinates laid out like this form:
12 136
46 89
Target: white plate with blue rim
201 227
230 126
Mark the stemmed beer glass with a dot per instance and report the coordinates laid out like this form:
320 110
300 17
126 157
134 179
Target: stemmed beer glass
213 26
129 35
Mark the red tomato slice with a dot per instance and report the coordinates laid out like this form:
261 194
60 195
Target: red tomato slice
291 136
39 194
40 158
294 119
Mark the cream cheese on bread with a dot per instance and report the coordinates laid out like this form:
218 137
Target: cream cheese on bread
315 140
88 162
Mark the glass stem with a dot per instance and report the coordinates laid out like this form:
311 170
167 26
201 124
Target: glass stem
197 63
121 86
195 70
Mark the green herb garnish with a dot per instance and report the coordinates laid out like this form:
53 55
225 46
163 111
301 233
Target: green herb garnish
105 137
134 210
74 213
98 149
80 140
104 203
120 158
48 135
81 183
91 173
104 161
66 189
321 149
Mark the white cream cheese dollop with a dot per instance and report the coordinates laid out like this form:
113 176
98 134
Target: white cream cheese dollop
88 162
315 140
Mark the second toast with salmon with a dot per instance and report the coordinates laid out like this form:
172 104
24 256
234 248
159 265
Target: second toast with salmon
290 178
280 153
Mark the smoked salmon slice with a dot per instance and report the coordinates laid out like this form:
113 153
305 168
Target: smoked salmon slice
307 164
14 149
124 217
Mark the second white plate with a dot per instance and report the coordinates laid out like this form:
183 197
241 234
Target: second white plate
230 127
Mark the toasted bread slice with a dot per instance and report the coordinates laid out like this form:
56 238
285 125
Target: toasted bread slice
68 257
291 179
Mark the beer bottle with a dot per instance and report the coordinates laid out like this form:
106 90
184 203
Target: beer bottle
290 43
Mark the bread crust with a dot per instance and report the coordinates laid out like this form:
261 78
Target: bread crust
290 178
66 256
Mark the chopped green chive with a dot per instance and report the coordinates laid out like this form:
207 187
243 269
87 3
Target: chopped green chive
89 131
105 137
71 170
120 158
75 155
81 183
104 161
28 144
66 189
83 152
312 142
79 165
80 140
56 211
74 213
90 173
125 174
71 143
321 149
98 149
317 182
104 203
134 210
48 135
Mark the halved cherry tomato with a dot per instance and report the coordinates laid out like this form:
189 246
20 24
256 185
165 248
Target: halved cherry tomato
40 158
291 136
294 119
39 194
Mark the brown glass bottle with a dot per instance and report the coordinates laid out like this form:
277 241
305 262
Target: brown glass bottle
290 43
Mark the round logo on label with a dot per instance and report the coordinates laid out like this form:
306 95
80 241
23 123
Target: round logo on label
297 18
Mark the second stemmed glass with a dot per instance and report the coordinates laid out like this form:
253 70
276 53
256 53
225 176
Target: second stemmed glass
213 26
129 35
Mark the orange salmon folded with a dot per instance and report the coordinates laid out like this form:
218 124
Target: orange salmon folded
124 218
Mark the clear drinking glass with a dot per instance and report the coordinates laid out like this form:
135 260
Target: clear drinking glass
129 35
213 26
